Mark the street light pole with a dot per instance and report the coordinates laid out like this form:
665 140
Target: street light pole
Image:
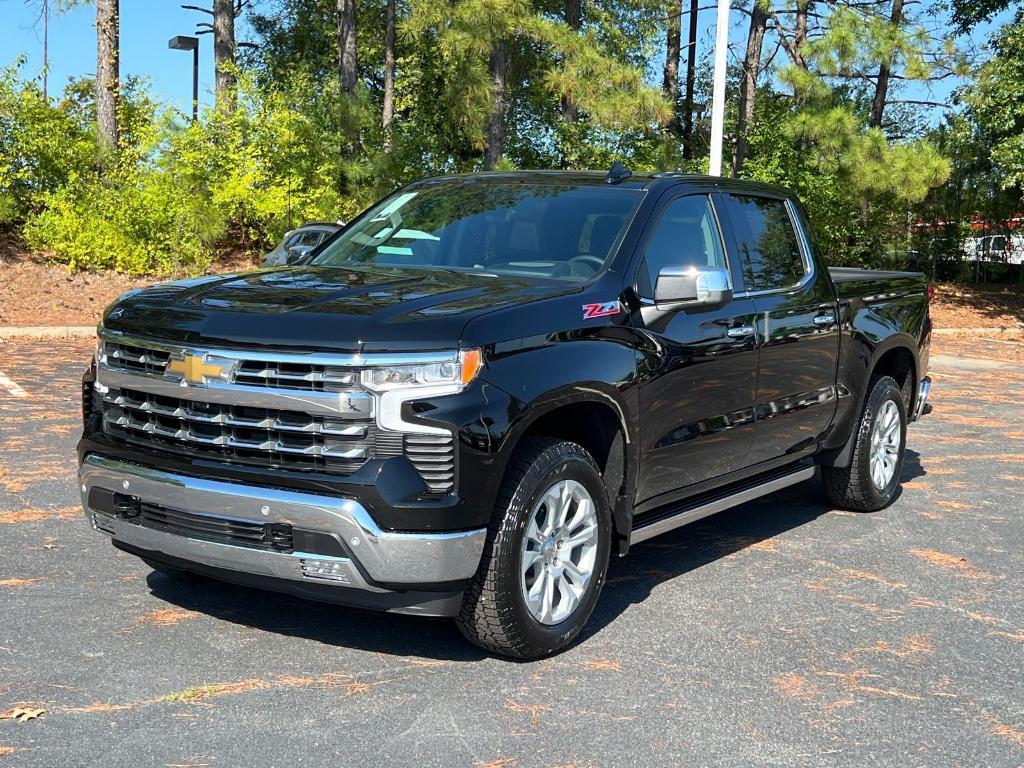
718 88
187 43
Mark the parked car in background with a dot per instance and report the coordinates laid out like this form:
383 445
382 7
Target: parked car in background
299 242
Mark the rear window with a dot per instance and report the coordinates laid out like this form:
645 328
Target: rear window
551 229
769 252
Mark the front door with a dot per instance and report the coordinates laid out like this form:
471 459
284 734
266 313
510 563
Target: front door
797 324
698 375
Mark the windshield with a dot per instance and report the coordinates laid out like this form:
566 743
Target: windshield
551 229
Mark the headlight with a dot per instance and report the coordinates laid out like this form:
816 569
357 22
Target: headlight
455 373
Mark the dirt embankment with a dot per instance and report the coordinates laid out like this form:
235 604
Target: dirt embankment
37 291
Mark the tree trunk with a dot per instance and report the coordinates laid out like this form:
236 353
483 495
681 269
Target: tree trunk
748 84
691 75
496 123
670 84
224 51
882 84
347 62
108 70
574 19
388 112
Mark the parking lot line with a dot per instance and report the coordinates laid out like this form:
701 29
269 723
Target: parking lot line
12 386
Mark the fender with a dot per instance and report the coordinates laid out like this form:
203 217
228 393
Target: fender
859 358
542 374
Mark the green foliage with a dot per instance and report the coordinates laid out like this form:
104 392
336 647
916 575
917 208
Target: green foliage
41 146
297 149
997 103
140 223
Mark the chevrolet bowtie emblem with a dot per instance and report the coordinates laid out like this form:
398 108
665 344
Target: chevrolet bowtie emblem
195 370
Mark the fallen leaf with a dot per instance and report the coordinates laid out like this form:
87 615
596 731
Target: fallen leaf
596 664
21 714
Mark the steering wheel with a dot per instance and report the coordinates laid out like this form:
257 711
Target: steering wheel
595 261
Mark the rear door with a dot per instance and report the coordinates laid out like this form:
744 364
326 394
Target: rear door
697 383
797 329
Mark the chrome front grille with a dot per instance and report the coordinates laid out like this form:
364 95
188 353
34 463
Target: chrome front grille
251 435
288 410
133 359
255 372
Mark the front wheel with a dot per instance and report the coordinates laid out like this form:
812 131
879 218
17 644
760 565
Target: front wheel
873 477
546 556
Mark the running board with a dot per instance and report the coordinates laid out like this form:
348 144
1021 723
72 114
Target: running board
691 514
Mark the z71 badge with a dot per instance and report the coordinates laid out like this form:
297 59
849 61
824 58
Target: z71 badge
601 310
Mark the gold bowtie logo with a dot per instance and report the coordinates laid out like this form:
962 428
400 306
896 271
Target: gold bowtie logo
194 369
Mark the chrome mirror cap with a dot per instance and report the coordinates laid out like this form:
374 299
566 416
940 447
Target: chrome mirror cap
691 287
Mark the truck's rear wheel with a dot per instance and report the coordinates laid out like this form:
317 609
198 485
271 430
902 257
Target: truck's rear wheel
873 477
546 556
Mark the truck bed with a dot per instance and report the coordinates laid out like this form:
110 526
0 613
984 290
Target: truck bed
854 283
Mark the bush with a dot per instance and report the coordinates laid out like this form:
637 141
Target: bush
141 223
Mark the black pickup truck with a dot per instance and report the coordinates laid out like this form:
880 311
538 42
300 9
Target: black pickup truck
469 398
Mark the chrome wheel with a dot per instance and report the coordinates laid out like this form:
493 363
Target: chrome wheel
559 551
886 440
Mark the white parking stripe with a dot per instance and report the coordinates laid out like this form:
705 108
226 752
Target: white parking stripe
12 386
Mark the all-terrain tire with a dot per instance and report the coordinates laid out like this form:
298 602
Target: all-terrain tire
852 487
494 612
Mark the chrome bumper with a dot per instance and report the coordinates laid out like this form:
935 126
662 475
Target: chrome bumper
384 557
921 407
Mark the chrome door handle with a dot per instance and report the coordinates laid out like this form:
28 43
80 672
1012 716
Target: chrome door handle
740 332
823 321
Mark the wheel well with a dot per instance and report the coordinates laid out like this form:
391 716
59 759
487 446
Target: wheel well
594 426
899 363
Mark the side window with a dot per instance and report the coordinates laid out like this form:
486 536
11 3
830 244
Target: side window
310 237
769 253
686 235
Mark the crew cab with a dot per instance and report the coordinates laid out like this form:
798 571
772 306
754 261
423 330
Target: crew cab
472 396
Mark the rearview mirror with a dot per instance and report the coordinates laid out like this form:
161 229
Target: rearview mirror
686 287
296 252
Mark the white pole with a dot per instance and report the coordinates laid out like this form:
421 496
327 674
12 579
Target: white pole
718 88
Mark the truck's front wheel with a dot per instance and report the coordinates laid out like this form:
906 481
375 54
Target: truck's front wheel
546 555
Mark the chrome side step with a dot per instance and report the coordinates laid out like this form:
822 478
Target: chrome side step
692 514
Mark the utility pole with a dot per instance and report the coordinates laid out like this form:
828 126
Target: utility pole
718 88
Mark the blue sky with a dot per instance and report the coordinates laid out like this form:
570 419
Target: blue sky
146 25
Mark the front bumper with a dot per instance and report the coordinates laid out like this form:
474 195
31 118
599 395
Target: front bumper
408 572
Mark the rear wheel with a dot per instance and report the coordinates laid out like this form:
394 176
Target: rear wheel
546 556
873 477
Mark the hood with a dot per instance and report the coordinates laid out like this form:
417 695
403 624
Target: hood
324 308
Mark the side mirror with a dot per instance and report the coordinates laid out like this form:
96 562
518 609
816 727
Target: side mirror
296 252
690 287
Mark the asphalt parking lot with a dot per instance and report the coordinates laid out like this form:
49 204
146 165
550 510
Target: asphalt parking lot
778 633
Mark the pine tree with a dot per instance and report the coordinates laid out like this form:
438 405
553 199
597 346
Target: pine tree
108 70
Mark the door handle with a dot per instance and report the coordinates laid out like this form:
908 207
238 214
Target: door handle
824 320
740 332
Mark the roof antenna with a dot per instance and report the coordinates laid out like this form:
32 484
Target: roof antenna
618 173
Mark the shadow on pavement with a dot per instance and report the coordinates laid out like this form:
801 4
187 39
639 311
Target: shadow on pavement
630 581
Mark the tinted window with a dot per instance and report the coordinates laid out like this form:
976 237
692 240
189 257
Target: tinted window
768 249
686 235
551 229
311 237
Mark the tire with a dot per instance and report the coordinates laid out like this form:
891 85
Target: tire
853 487
496 613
